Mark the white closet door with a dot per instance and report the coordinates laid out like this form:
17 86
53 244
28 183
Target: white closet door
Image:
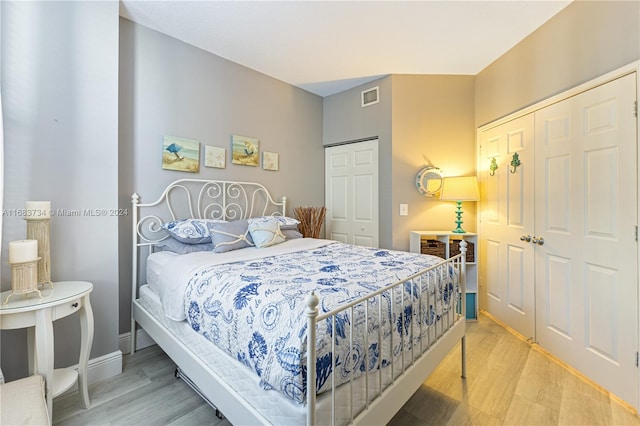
351 193
585 210
506 216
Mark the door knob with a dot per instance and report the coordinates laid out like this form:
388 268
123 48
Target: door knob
538 241
526 238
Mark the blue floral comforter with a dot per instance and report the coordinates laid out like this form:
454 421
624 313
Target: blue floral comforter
254 311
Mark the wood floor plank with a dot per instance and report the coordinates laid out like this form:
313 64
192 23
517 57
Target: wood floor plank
541 382
508 383
523 411
466 415
431 406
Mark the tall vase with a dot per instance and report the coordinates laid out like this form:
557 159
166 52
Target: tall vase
39 229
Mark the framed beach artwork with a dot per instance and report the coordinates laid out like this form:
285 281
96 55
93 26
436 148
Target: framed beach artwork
215 157
180 154
245 150
269 160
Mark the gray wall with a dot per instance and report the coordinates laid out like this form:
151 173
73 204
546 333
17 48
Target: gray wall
60 105
168 87
420 119
345 120
583 41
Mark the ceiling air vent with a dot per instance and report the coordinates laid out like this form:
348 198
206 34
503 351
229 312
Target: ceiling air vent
370 96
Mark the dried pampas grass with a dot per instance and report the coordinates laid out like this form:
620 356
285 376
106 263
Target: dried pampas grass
311 220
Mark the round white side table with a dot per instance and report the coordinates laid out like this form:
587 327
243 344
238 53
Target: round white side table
37 315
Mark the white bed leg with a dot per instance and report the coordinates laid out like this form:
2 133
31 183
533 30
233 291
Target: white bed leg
311 312
135 199
132 341
463 346
463 268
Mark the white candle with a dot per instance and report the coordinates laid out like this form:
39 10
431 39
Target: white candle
23 251
38 210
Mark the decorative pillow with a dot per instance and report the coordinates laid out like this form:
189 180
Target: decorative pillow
286 222
265 231
291 234
190 231
230 235
173 245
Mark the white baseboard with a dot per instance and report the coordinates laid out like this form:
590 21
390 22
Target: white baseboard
104 367
110 365
142 341
101 368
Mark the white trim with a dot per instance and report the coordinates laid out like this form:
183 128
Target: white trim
143 340
637 69
104 367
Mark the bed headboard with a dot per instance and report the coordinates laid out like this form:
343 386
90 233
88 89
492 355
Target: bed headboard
193 199
201 199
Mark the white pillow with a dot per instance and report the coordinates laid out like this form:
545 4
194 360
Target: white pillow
265 231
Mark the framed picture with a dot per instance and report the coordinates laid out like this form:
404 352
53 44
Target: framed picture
215 157
245 150
269 160
181 154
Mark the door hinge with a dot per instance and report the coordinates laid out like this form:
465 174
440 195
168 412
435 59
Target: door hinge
636 233
636 358
635 108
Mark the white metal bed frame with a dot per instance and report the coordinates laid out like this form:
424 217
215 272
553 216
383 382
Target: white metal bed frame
194 198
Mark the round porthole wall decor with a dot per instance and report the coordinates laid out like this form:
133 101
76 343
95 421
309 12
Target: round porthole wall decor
429 181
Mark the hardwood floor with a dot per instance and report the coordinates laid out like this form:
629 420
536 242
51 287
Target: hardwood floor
508 383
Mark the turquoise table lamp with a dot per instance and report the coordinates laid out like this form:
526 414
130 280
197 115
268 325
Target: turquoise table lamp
459 189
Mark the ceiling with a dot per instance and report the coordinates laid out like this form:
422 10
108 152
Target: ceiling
326 47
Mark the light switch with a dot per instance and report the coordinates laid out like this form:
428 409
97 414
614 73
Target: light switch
404 209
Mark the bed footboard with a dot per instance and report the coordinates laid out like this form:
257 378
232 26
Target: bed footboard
431 323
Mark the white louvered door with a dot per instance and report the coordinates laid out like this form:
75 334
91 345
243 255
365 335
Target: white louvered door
586 212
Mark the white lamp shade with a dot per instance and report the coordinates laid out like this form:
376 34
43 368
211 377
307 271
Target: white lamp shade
460 188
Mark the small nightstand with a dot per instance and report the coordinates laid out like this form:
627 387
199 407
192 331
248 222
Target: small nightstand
448 240
37 315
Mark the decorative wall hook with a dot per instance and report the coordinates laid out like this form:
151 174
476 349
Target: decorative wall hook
493 167
515 162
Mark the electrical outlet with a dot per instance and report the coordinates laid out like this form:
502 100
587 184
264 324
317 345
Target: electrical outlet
404 209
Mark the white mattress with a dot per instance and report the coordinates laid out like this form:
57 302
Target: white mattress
274 406
155 265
